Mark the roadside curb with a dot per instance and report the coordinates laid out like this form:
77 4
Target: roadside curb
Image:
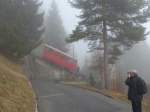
36 108
92 89
89 89
36 105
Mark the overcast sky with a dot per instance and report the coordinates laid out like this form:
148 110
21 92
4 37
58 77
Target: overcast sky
67 13
70 20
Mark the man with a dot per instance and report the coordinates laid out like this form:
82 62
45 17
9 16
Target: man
136 89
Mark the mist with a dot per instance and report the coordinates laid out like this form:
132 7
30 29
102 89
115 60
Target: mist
79 49
136 58
68 14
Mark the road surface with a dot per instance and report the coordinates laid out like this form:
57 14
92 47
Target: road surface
54 97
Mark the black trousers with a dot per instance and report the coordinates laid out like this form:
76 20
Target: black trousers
137 106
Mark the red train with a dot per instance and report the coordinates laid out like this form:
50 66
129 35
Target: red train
60 58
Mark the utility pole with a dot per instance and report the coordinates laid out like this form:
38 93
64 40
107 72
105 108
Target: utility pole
73 50
105 60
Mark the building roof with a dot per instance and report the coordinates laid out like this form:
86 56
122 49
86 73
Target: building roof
59 51
59 58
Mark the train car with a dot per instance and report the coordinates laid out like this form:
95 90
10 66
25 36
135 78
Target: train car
60 59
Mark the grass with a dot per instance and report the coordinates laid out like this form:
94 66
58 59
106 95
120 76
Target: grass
147 105
16 94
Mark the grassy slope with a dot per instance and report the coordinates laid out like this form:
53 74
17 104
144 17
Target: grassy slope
16 95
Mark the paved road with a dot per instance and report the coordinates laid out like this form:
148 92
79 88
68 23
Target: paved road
54 97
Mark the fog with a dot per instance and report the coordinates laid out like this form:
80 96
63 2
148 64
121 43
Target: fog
70 20
67 13
136 58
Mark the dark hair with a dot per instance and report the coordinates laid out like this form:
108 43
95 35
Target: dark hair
133 74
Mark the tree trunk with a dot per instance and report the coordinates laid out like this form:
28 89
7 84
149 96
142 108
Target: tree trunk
105 72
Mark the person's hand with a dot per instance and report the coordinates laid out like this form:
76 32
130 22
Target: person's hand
129 75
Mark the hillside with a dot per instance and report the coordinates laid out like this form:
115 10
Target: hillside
16 95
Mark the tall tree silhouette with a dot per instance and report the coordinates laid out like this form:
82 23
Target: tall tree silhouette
111 24
55 33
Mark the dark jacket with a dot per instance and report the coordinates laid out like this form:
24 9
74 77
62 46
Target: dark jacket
133 84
